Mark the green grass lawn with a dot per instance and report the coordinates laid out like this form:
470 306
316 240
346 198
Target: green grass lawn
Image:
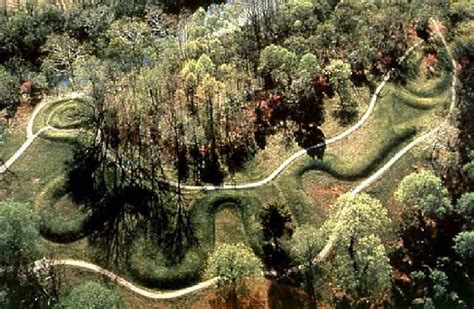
228 226
40 163
15 134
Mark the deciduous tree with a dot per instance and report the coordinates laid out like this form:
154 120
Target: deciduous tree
361 266
305 245
62 53
233 264
422 194
9 92
277 66
339 73
464 244
19 234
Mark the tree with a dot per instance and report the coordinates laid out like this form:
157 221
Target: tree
19 234
277 66
361 265
89 23
19 237
26 31
364 269
276 222
91 295
296 17
432 229
464 244
468 168
233 264
339 73
62 53
305 245
9 92
308 69
129 41
465 207
356 216
422 194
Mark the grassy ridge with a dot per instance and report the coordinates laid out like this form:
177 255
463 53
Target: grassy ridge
61 219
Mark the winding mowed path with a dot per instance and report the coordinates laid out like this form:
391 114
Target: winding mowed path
210 283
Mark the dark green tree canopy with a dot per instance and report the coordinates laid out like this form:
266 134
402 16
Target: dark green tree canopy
276 221
464 244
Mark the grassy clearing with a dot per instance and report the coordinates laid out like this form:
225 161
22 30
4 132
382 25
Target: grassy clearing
394 122
359 165
310 185
66 137
13 139
402 111
69 115
229 228
40 164
426 95
80 250
385 188
15 133
323 190
204 212
429 88
418 102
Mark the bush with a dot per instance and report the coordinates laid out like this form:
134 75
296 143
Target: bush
431 88
91 295
57 112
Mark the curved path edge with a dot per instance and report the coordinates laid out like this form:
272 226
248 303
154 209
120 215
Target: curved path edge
125 283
